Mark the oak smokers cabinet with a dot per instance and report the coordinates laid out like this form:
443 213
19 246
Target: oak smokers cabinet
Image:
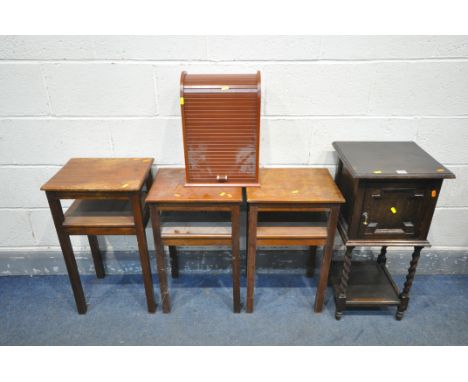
221 128
391 190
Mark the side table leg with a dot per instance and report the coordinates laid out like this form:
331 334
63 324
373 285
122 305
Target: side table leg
97 258
174 261
251 254
341 298
311 262
160 259
143 251
235 246
326 261
67 250
382 259
404 295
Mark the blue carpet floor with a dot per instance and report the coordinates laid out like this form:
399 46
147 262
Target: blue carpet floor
40 311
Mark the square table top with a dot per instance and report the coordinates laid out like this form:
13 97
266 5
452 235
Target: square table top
295 185
100 175
169 186
389 160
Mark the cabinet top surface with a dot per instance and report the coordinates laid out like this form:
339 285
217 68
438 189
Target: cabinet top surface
394 160
100 175
169 186
295 185
196 80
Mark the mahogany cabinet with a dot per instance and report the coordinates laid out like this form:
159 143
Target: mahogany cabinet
391 190
221 128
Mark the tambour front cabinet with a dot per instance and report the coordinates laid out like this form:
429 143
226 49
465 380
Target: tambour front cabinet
221 128
391 190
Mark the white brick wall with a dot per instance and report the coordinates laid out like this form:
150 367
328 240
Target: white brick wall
63 97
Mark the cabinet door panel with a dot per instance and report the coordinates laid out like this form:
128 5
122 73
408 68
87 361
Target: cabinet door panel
392 211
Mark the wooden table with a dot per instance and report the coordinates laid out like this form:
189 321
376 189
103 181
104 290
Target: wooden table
184 216
109 201
300 191
391 191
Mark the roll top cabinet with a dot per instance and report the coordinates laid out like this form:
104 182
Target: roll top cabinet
391 190
221 128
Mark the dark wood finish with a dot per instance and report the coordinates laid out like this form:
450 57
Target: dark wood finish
193 216
67 250
386 160
343 283
143 251
174 261
236 270
382 259
311 262
109 195
160 258
221 127
391 190
97 257
251 256
281 213
404 296
327 256
369 284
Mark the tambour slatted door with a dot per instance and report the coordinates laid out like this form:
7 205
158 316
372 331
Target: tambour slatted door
221 127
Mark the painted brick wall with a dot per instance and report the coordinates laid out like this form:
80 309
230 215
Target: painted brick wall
62 97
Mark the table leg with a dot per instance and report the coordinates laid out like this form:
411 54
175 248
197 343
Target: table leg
67 250
174 261
341 298
382 259
235 246
327 256
143 251
97 258
404 295
251 254
161 264
311 262
149 181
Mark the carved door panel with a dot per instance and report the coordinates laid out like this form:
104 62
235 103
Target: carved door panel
392 211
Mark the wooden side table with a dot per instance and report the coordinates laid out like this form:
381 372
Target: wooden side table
168 199
391 191
297 191
109 201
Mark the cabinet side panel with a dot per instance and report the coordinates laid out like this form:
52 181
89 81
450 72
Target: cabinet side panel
346 184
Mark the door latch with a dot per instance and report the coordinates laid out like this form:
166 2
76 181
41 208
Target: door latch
365 215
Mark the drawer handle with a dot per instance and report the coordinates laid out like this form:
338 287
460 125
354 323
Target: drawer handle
365 215
418 195
221 178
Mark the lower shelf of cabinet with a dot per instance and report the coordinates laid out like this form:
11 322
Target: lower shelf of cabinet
370 284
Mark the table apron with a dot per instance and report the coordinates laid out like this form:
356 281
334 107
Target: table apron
92 195
295 207
203 241
193 206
